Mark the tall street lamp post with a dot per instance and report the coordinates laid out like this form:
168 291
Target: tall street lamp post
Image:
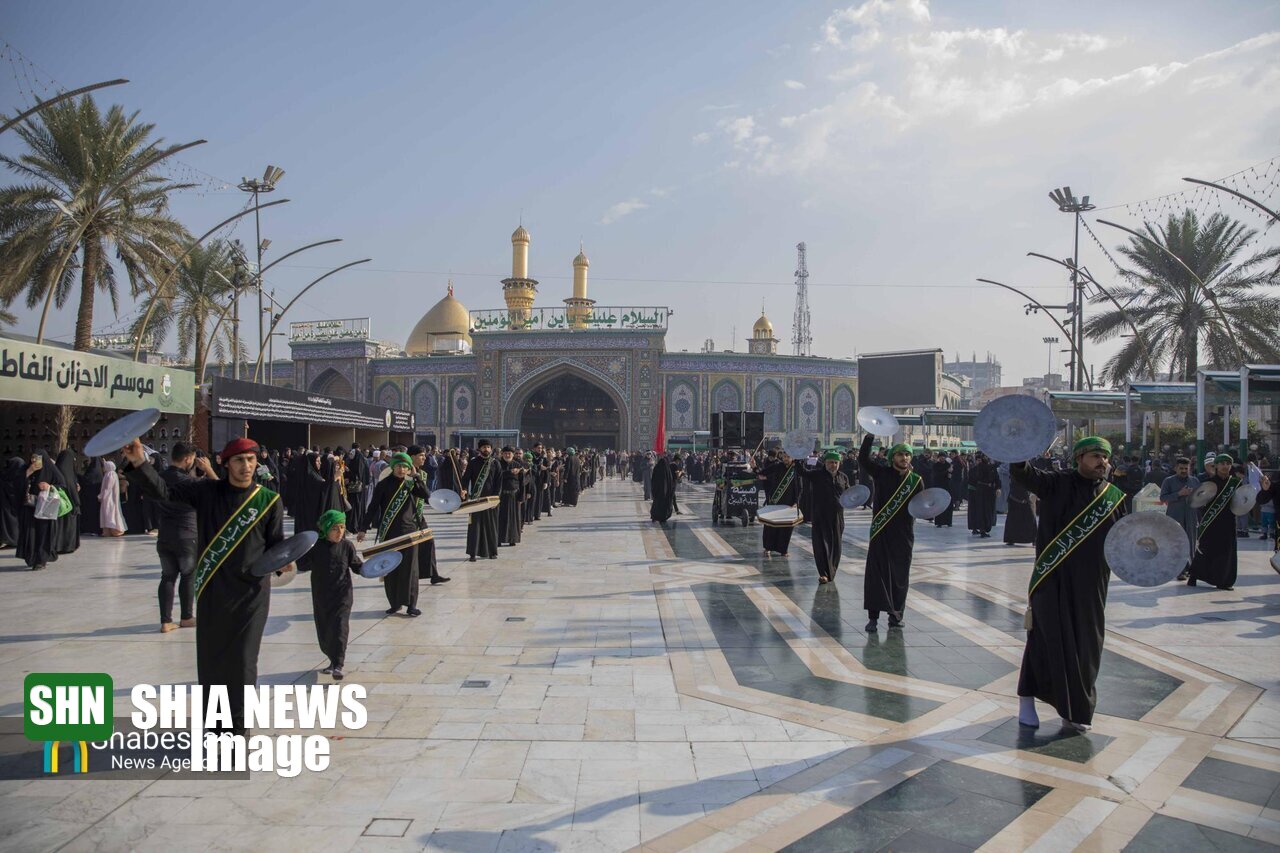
1050 341
1068 203
267 183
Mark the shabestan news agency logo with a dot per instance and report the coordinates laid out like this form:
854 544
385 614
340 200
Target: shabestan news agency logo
67 709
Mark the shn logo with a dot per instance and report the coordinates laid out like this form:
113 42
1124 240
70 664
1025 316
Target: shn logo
79 749
67 706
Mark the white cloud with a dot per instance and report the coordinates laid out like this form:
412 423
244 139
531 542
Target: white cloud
661 192
859 27
739 129
793 84
701 138
850 72
621 209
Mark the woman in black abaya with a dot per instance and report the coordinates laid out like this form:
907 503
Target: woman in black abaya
13 495
37 537
69 525
90 485
664 491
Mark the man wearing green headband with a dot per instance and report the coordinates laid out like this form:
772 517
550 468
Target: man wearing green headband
482 479
1068 587
893 535
826 515
1214 559
331 563
394 511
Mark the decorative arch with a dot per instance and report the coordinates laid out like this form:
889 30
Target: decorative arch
530 383
331 383
682 406
462 403
388 395
842 410
808 407
425 401
726 396
769 399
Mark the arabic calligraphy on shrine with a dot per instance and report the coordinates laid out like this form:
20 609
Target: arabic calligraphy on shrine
560 319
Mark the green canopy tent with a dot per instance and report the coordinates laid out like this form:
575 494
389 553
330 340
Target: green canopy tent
1251 385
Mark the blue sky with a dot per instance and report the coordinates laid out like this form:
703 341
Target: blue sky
910 144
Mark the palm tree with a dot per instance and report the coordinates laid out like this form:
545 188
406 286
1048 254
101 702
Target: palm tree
91 186
1173 312
194 300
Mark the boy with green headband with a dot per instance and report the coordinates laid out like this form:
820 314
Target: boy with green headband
1068 589
332 561
394 511
826 518
1214 558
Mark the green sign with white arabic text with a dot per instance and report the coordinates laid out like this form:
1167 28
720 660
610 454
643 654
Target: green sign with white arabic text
33 373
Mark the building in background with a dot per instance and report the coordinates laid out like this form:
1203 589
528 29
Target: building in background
981 374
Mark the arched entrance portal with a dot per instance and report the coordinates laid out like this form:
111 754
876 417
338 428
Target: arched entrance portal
570 411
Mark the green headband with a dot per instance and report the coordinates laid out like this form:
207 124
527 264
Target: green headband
329 519
831 456
1224 457
402 459
1090 443
899 448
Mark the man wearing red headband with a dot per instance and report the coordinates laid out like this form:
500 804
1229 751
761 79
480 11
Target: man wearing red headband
236 520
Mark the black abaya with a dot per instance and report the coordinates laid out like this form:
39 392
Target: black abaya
37 537
13 496
1064 645
69 524
1215 558
664 491
90 508
331 595
826 517
889 554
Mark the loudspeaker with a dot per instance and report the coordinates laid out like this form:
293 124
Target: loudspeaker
715 430
752 429
731 429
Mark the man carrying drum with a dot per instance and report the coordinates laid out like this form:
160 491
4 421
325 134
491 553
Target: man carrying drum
396 511
237 519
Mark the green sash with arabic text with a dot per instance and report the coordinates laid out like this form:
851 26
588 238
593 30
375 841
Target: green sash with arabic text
397 502
782 486
232 534
1220 502
899 499
1081 528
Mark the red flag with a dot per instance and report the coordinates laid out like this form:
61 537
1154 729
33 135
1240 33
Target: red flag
660 439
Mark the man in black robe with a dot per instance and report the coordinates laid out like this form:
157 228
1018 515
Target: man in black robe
482 479
333 559
663 490
1214 558
231 603
893 535
541 483
394 511
509 505
1068 594
942 480
571 473
781 480
826 515
426 550
984 482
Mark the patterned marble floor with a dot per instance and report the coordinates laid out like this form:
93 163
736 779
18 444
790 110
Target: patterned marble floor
671 689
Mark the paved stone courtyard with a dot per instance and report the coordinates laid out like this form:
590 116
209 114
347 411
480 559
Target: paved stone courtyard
671 689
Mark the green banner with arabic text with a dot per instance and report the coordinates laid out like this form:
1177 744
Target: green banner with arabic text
33 373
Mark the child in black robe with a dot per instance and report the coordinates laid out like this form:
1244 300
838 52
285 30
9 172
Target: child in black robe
332 561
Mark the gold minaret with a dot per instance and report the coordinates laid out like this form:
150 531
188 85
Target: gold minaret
519 290
579 306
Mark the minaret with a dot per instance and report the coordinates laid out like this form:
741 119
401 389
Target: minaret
579 306
762 340
519 290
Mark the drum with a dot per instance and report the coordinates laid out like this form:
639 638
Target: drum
399 543
477 505
779 515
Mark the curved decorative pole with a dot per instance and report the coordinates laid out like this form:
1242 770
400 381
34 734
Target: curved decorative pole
74 243
1204 287
177 264
1241 196
1049 314
257 369
57 99
213 336
296 251
1146 353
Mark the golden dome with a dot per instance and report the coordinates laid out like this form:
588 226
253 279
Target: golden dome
762 327
520 235
581 260
448 317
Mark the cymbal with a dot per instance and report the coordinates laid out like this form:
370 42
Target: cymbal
1205 492
1275 562
1243 499
798 443
283 553
779 515
284 578
1147 549
121 431
877 421
1014 428
854 496
929 503
445 500
381 565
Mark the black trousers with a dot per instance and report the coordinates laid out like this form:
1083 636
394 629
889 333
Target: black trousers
177 564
